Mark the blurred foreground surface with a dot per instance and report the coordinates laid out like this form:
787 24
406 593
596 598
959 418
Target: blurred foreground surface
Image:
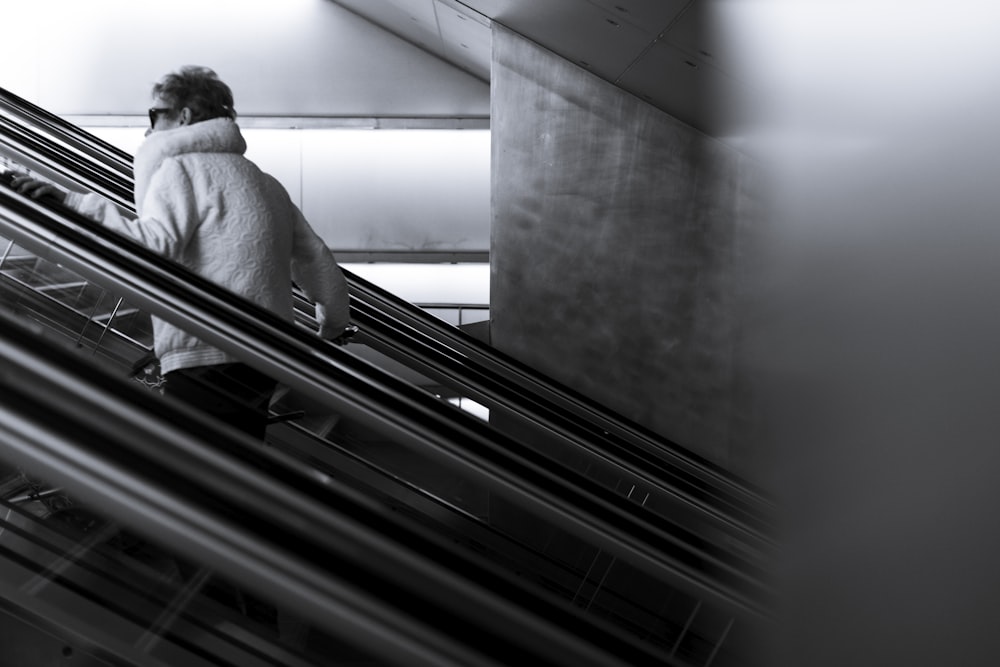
878 326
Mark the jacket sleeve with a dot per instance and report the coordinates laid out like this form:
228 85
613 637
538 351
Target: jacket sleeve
316 271
92 205
169 212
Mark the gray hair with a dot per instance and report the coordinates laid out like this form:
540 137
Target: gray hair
199 89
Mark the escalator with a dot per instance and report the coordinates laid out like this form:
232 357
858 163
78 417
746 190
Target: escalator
409 336
145 589
657 473
681 572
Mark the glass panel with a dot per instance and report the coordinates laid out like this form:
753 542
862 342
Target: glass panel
60 559
455 504
471 407
474 314
560 448
96 321
449 315
406 478
443 497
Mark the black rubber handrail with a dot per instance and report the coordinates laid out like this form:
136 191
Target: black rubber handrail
673 489
559 406
121 161
88 175
606 423
386 404
356 570
72 136
648 472
369 476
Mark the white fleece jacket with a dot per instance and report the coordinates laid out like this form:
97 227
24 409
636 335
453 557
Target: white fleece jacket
204 205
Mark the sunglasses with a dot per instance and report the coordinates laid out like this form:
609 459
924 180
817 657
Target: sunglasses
155 112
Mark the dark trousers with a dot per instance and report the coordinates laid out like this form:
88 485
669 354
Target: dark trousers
238 395
234 393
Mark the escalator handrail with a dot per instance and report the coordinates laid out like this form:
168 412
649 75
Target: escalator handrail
365 392
613 428
338 451
640 465
531 380
740 521
323 451
263 519
90 176
758 543
80 140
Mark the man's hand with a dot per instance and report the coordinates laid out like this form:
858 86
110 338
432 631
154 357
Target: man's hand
328 330
37 189
345 337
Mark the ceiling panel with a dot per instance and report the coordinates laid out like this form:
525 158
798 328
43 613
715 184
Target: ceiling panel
465 38
498 10
701 33
417 21
695 92
650 15
669 52
579 31
421 10
461 7
413 20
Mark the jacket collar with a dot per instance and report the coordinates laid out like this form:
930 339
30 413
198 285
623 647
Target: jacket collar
218 135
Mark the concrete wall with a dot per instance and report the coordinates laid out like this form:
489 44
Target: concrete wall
617 243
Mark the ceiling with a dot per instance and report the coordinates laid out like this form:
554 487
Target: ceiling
669 53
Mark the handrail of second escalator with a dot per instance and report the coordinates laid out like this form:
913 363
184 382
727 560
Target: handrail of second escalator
80 140
552 396
387 404
91 176
352 567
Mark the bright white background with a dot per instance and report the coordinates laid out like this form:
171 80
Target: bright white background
377 190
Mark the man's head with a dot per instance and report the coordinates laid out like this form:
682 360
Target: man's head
190 95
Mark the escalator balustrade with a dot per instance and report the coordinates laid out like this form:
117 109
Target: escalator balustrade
145 585
456 507
341 447
657 473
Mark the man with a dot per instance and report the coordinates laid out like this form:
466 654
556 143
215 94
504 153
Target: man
201 203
